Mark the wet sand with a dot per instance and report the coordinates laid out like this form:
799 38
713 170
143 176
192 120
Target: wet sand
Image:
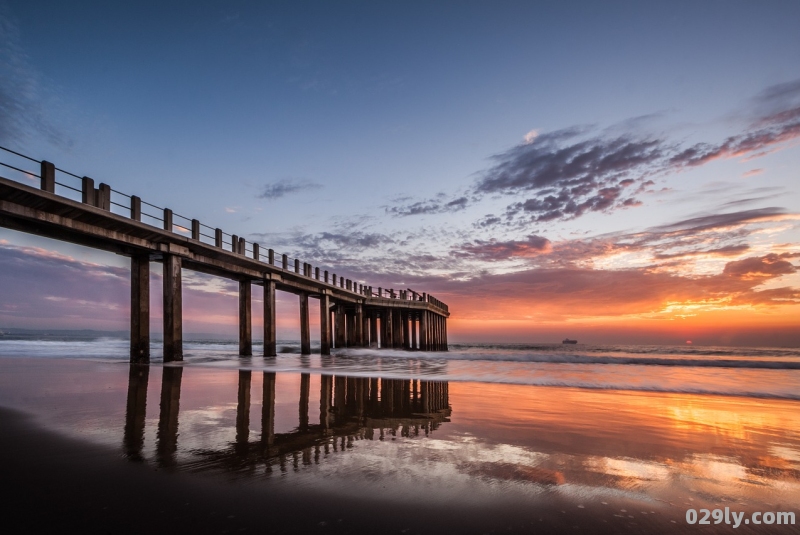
105 448
55 484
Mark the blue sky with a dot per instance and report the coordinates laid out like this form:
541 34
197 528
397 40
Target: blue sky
416 142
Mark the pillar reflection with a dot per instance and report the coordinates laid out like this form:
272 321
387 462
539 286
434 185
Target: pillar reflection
351 409
135 411
167 436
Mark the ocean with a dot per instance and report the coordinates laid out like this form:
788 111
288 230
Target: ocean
758 372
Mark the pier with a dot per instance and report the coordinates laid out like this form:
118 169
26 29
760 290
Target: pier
60 205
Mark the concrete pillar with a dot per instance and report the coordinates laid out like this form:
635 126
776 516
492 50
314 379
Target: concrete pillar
173 311
440 330
348 326
364 329
195 229
305 330
218 238
296 265
435 325
444 332
243 408
373 329
48 176
406 332
339 335
397 334
140 309
424 343
136 411
325 324
270 257
234 243
268 410
270 347
389 328
256 252
358 326
245 318
414 344
305 386
284 262
332 318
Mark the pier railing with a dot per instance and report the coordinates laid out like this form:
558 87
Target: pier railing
82 189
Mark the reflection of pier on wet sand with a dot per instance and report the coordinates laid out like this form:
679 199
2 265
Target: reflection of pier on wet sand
350 409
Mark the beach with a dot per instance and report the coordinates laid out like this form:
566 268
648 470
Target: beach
223 444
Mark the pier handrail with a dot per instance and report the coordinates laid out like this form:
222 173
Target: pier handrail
101 197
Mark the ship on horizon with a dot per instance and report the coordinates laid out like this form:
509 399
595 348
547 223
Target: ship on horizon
568 341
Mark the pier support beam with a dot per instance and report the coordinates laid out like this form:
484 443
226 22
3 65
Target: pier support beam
414 344
173 310
373 329
305 329
389 329
339 335
140 309
406 332
423 331
245 318
397 333
325 324
269 319
359 326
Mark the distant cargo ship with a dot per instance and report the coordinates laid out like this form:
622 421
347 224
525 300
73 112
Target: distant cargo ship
568 341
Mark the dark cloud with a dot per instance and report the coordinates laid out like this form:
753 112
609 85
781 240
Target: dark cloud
761 267
546 164
718 221
286 186
728 250
570 172
718 235
777 121
436 206
501 250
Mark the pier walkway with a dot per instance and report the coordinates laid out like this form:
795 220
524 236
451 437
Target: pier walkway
61 205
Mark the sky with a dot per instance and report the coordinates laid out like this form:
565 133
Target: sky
615 172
